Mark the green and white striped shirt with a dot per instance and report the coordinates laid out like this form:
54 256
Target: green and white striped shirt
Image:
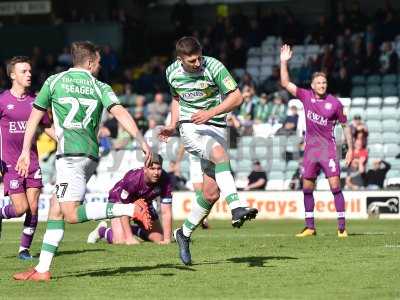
202 90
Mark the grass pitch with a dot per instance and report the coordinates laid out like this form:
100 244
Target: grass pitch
263 260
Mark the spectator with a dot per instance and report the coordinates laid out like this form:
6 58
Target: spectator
238 55
289 127
342 83
233 125
272 83
296 182
177 181
257 178
151 135
246 80
388 59
109 62
354 179
261 111
375 177
182 17
371 65
158 109
65 58
360 152
357 125
140 120
277 111
246 110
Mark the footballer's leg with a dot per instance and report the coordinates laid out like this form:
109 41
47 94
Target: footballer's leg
52 238
334 183
308 189
30 223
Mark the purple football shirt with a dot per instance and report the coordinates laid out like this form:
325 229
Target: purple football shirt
14 114
321 117
133 187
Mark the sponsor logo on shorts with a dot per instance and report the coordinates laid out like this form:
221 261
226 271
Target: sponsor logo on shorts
14 184
382 205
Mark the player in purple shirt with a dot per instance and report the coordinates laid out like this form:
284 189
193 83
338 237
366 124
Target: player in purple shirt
145 183
323 111
15 108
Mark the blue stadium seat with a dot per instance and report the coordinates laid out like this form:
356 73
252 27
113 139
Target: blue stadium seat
394 163
358 80
389 113
375 150
375 138
292 165
391 150
390 125
374 79
358 102
374 125
372 114
358 91
357 111
393 174
244 165
374 91
374 102
391 137
276 175
389 90
389 78
277 165
391 101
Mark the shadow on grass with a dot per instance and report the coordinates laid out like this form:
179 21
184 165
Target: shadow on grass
126 270
257 261
363 234
69 252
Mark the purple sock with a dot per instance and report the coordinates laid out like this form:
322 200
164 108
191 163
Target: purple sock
139 232
8 212
106 233
30 225
340 207
102 232
309 208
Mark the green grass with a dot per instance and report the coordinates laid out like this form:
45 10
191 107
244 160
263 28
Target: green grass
262 260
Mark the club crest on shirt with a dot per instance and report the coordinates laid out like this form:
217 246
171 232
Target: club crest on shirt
229 83
124 194
10 106
328 106
313 100
14 184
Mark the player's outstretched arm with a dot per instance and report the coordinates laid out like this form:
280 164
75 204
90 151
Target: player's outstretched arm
231 102
286 55
127 122
349 141
23 162
166 215
50 131
169 130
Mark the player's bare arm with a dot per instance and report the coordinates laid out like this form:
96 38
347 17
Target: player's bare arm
127 122
169 130
349 141
286 55
231 102
50 131
166 215
23 162
126 226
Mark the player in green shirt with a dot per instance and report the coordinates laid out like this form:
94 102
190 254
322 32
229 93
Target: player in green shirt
76 99
203 93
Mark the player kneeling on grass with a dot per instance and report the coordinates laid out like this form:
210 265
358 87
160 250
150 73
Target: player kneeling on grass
145 183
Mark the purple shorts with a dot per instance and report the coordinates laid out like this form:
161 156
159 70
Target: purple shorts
15 184
315 161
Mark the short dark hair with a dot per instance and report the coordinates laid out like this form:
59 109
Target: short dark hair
318 74
15 60
81 51
156 159
188 45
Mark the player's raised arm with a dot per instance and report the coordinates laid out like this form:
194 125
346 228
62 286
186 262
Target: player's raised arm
23 162
286 55
127 122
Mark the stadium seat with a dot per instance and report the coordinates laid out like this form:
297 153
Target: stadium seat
276 175
373 79
275 185
233 163
389 113
254 51
233 153
357 111
261 153
391 137
389 78
345 101
375 150
394 163
374 102
375 138
246 140
358 102
292 166
268 60
372 114
358 80
389 90
270 40
185 166
390 125
374 91
277 165
374 126
244 165
268 50
253 62
393 174
358 91
254 71
391 101
313 49
391 150
297 60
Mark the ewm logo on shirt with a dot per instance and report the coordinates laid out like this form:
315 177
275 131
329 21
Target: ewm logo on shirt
17 126
316 118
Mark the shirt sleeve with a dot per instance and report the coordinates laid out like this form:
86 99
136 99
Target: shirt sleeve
340 114
109 99
302 94
172 90
222 77
166 191
43 99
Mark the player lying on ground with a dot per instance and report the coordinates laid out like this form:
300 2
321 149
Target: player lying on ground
323 111
203 93
76 99
15 107
145 183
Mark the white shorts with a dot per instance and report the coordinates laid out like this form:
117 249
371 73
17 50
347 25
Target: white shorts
72 174
196 173
200 139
